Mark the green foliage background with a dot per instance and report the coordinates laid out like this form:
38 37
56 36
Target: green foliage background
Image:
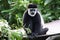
12 10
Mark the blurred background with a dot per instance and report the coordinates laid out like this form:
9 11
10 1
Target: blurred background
12 11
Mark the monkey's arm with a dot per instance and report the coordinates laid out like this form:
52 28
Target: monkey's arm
27 23
25 20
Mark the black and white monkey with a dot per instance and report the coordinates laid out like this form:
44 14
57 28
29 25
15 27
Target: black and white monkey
32 19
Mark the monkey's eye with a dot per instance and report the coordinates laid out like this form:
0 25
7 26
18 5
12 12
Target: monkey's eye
32 9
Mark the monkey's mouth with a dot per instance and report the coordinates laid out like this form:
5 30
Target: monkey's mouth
32 13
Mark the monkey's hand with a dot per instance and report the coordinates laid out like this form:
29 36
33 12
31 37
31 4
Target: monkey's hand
28 30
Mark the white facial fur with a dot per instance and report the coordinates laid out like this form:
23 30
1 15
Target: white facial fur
29 13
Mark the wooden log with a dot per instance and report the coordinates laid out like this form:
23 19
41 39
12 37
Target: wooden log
39 37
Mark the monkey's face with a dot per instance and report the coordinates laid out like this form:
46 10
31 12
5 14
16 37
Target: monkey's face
32 11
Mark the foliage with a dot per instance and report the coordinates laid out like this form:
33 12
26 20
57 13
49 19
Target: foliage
5 31
14 13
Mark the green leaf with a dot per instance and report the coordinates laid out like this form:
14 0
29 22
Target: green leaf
47 1
5 11
0 0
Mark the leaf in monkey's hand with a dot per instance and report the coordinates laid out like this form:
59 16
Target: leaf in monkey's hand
28 30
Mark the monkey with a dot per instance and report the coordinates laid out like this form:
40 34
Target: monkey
32 19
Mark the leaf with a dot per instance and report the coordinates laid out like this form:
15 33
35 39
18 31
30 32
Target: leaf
59 18
5 11
47 1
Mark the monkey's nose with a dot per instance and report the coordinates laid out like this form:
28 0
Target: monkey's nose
32 13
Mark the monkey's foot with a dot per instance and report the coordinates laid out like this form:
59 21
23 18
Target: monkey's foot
43 31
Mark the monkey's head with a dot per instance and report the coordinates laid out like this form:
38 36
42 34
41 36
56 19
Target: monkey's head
32 9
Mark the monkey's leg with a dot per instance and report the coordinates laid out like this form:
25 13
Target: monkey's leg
43 31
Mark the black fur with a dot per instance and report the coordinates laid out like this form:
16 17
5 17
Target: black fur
34 23
32 6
